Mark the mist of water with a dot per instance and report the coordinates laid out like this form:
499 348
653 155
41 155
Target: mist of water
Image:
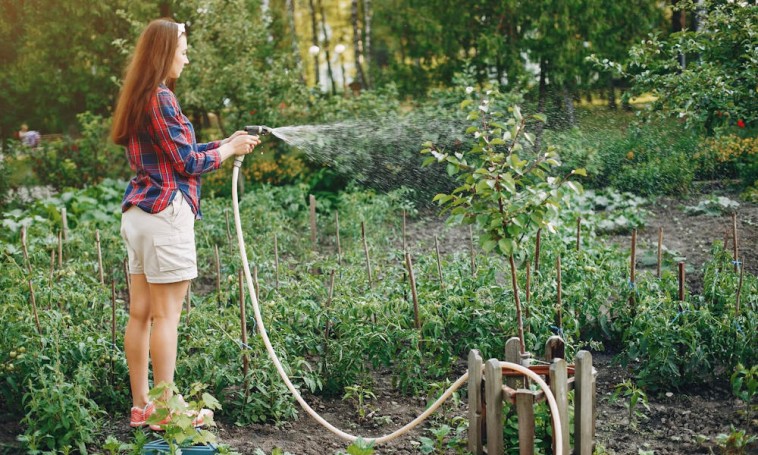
380 152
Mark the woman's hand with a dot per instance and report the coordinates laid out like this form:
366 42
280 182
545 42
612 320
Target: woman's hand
238 145
235 134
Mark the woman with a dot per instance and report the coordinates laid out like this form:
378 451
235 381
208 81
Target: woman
161 203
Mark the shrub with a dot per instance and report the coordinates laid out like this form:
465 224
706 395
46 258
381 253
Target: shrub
648 161
82 161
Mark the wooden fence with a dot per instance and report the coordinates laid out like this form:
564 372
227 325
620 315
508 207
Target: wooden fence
487 394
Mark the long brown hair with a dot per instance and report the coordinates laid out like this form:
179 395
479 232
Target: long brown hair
149 66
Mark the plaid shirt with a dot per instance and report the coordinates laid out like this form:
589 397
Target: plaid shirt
166 158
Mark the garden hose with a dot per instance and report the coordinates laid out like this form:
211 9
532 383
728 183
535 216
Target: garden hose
346 436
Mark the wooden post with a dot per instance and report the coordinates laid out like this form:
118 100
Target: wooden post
559 297
513 355
25 250
525 411
528 293
416 317
228 232
64 223
439 261
739 289
339 246
189 301
99 257
475 419
365 250
660 252
60 250
583 408
471 248
243 325
493 397
113 321
128 279
734 237
52 263
555 348
218 274
255 284
578 233
405 246
34 307
312 200
633 269
327 328
537 251
559 387
276 261
681 281
519 319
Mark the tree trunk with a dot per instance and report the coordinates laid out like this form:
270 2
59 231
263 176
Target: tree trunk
357 43
541 103
678 23
314 29
611 95
293 32
367 37
326 47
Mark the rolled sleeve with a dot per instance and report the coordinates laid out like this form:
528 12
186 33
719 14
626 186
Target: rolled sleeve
176 139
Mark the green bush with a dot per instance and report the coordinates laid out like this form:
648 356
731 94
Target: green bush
648 161
82 161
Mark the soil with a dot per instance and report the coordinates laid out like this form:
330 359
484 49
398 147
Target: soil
675 423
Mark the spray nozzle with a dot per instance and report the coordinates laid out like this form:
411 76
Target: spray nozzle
258 130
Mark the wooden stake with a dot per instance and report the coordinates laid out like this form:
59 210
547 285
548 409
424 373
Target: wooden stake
339 246
276 261
734 237
99 257
660 252
328 304
64 223
312 200
34 308
681 281
218 274
416 317
255 284
189 300
365 249
559 297
578 233
60 250
113 322
243 326
439 261
537 252
471 249
518 305
228 232
24 248
52 266
128 280
528 291
633 268
405 249
739 288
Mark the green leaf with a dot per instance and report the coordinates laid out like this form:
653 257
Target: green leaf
489 245
517 113
472 129
540 117
581 171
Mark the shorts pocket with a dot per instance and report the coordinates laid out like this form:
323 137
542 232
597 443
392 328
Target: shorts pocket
175 251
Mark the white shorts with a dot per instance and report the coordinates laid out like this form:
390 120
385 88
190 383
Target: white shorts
161 245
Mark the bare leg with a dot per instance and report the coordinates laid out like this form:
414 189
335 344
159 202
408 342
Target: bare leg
136 339
166 309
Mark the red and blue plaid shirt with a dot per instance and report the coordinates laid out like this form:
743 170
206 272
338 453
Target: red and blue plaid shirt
166 158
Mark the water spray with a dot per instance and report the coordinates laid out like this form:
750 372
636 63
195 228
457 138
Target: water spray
262 130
